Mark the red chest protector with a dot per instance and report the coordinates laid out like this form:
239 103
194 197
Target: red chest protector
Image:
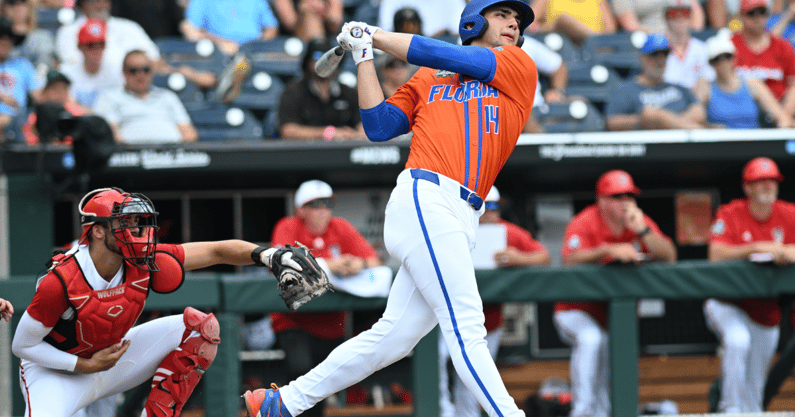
101 318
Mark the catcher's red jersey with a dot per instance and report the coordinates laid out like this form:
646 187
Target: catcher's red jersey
493 115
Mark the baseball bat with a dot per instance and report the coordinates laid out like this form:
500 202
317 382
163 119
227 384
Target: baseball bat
329 61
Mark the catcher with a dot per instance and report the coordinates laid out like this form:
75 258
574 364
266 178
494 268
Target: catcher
76 339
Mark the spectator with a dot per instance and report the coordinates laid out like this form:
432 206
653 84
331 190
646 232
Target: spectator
18 82
408 20
759 225
56 92
158 18
521 250
732 101
614 230
439 17
95 71
123 35
723 13
392 73
341 250
550 64
140 112
782 25
309 19
649 16
6 310
576 19
35 45
648 102
687 61
229 23
312 107
764 56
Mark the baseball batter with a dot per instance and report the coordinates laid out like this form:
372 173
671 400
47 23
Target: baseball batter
614 229
466 107
748 329
76 339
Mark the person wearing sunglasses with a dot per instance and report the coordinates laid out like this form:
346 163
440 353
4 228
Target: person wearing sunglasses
345 255
648 101
759 54
731 101
521 251
94 72
139 112
614 230
687 62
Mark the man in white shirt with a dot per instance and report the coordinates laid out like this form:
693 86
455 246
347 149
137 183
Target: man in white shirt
142 113
687 61
549 63
122 35
93 72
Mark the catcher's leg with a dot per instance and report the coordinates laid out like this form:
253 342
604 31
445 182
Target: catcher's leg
181 370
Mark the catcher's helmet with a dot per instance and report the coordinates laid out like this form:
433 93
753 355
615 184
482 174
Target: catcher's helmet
132 219
761 168
473 14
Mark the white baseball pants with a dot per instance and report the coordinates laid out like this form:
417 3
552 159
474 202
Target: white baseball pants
53 393
431 231
462 403
589 367
748 348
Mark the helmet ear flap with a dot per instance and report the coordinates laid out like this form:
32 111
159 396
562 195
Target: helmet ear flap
479 26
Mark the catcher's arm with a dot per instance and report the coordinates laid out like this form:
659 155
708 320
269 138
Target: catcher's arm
300 277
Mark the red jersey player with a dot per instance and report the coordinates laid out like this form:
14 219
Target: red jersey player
612 230
748 329
76 338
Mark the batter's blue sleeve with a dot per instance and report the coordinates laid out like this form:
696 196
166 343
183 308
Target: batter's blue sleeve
384 122
472 61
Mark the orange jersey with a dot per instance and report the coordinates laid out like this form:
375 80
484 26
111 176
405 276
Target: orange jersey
466 129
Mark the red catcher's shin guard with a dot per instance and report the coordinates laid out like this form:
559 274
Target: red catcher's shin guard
181 370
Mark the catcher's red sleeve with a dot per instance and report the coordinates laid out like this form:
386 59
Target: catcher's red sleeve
169 258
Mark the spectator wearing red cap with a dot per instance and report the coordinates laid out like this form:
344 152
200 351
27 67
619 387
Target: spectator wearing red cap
764 56
94 72
612 230
687 62
757 227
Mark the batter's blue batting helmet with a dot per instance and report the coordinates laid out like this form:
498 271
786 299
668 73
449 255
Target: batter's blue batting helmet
473 14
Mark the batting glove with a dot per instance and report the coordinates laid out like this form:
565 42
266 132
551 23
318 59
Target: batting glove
357 37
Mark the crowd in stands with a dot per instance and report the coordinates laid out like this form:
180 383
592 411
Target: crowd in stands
668 63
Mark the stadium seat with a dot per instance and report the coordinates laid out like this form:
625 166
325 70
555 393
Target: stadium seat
188 92
221 123
594 82
705 34
260 91
449 38
281 56
577 116
202 55
618 51
560 44
47 19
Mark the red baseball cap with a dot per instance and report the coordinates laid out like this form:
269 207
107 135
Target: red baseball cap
94 30
748 5
616 182
761 169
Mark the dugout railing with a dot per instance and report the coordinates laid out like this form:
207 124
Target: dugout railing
230 295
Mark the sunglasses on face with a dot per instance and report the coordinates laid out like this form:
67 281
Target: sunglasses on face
721 57
320 202
136 70
621 196
758 12
94 45
15 2
660 54
674 13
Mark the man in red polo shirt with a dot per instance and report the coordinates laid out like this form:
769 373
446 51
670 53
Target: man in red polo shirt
521 250
764 56
309 337
758 227
612 230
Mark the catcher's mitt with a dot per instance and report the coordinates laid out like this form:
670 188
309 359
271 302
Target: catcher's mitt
300 277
